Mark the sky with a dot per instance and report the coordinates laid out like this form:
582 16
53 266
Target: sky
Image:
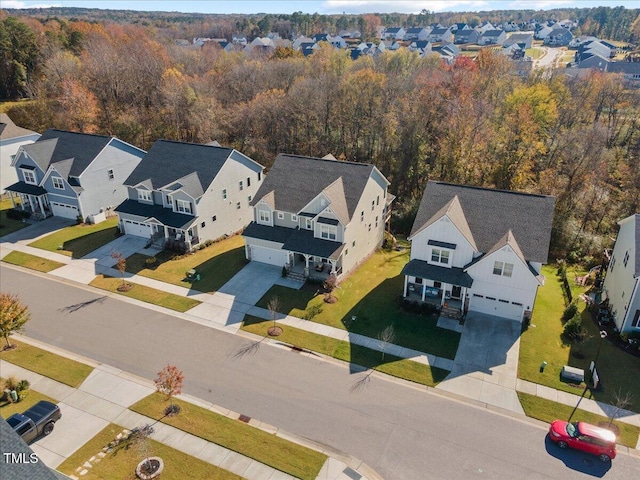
319 6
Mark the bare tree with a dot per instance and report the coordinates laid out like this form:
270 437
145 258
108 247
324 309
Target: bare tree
386 336
273 306
121 263
169 382
13 315
620 402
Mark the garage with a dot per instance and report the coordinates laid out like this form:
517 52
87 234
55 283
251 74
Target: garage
64 210
268 255
499 307
137 228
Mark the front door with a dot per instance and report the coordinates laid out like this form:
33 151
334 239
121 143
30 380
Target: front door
456 292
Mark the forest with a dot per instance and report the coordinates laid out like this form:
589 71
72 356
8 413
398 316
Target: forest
473 122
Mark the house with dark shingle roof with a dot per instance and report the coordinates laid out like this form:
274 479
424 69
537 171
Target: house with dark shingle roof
318 216
71 174
466 36
443 35
478 249
189 193
393 33
416 33
12 137
622 281
492 37
558 37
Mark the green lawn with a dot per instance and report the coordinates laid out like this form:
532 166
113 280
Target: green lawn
146 294
78 240
534 53
8 225
291 458
548 411
216 264
31 261
545 343
371 294
343 350
49 364
121 463
7 409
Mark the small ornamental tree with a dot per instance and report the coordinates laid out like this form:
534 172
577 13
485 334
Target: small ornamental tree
13 315
169 382
121 264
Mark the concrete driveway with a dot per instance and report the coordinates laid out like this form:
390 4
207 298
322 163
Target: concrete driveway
127 245
486 363
37 230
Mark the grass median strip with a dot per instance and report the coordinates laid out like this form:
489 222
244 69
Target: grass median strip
122 463
267 448
31 261
548 411
146 294
343 350
45 363
78 240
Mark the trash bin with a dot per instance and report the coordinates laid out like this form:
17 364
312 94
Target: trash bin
197 277
14 396
542 365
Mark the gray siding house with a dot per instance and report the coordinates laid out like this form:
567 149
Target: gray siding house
12 137
318 216
71 175
189 193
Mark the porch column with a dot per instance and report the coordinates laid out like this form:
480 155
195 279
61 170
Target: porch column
31 204
166 232
444 291
41 206
464 297
406 281
13 202
424 289
333 266
306 264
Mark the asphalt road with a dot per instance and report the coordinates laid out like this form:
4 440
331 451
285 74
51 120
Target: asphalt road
403 433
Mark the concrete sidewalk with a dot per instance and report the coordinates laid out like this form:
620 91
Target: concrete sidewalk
104 398
493 385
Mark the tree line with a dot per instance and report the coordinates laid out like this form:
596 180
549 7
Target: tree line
473 122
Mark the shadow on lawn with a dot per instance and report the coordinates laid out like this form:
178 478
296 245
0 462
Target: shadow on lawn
81 246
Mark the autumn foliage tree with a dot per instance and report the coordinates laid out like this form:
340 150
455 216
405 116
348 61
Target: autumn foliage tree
13 316
169 382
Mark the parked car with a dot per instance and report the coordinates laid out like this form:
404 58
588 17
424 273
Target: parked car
585 437
36 421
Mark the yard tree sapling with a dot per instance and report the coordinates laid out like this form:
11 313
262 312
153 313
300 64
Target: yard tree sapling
169 382
13 316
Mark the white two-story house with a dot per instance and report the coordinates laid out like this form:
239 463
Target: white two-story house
189 193
318 215
622 283
479 249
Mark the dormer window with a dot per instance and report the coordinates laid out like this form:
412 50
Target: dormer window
58 183
264 216
183 206
328 232
144 195
29 177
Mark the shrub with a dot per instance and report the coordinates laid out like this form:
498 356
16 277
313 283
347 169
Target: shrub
284 271
573 328
151 260
312 312
329 298
569 312
15 214
330 283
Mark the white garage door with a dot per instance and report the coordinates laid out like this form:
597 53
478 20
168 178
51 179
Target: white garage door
64 210
268 255
138 229
500 307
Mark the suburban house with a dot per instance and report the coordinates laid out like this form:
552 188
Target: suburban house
189 193
558 37
416 33
394 33
622 282
443 35
478 249
523 40
71 175
318 216
12 137
466 36
493 37
542 31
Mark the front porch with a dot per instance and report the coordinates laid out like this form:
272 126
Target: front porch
164 236
30 198
305 266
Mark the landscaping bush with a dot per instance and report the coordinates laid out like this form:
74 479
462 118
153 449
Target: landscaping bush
330 284
15 214
569 312
312 312
573 328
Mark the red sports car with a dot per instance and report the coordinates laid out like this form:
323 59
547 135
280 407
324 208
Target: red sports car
583 436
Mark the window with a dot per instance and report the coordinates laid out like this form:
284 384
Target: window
280 215
110 174
214 218
202 224
264 216
249 198
224 194
378 200
238 205
323 202
502 268
369 227
503 301
612 264
240 184
144 195
437 284
346 252
248 182
478 296
29 177
636 319
328 231
259 175
626 258
439 256
516 303
58 183
353 244
373 205
490 298
362 216
376 222
294 218
183 206
309 224
418 280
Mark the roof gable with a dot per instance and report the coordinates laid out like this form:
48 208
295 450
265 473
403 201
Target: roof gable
296 180
8 129
453 210
489 213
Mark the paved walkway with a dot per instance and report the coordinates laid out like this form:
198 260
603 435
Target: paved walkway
104 398
484 370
